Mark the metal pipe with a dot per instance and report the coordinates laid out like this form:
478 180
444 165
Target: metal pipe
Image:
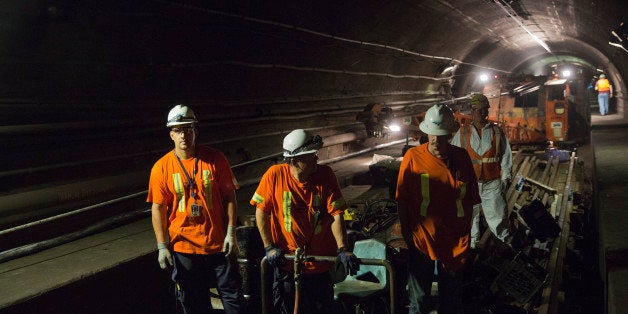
227 120
376 147
329 36
71 213
29 249
56 194
363 261
42 245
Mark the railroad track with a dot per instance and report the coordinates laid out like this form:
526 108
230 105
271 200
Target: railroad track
534 279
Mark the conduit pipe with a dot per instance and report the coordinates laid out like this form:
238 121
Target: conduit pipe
46 197
42 245
320 34
71 213
222 119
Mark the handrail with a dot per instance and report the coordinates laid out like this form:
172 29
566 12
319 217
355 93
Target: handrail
363 261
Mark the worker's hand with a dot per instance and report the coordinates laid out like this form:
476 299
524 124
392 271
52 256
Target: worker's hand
349 261
274 256
230 246
504 185
164 255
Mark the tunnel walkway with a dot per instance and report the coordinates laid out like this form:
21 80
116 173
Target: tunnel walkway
115 271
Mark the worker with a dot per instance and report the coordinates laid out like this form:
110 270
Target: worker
194 216
300 205
604 92
436 192
491 155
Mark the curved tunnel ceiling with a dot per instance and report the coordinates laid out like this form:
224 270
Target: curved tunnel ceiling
402 46
110 70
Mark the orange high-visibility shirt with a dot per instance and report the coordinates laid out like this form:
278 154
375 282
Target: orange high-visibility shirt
436 202
291 206
169 186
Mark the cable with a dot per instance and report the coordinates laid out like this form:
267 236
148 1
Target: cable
325 35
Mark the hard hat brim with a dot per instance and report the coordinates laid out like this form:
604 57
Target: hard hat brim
423 126
286 154
171 124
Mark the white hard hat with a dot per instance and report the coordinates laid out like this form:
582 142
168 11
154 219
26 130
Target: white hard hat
180 115
439 120
300 142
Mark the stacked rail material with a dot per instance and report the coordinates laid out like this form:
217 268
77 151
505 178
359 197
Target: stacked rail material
559 182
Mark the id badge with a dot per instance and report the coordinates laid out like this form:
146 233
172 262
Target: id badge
196 210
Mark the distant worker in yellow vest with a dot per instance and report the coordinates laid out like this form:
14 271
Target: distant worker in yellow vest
604 92
491 155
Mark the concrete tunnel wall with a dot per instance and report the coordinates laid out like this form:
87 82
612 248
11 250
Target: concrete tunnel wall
86 86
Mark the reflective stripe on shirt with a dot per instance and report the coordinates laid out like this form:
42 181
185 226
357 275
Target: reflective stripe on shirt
485 160
287 209
425 192
179 190
258 198
207 187
338 203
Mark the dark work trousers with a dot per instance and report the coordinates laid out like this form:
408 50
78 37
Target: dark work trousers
317 293
420 278
193 275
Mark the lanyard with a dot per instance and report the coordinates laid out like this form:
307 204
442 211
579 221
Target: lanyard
190 179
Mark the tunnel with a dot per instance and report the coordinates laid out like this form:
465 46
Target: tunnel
85 86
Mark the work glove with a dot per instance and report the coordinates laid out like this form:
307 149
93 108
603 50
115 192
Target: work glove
164 255
274 256
349 261
230 246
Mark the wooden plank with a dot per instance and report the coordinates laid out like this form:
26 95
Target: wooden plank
550 295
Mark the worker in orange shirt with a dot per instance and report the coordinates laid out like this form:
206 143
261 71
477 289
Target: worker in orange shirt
300 205
436 192
604 92
194 215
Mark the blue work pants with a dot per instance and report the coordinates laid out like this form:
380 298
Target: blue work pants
602 99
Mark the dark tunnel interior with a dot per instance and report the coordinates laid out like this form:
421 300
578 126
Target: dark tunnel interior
85 86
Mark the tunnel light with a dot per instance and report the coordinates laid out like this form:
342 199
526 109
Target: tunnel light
619 37
395 127
513 15
483 77
566 73
618 45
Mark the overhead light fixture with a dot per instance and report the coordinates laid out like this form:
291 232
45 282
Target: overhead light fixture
619 37
448 69
395 127
618 45
514 17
